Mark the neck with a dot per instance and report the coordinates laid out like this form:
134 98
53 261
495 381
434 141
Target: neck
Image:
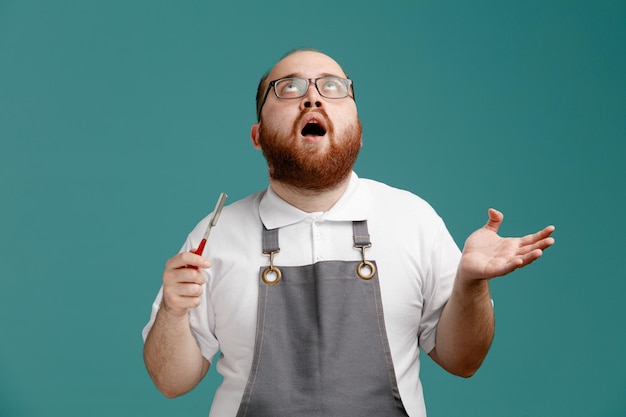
310 200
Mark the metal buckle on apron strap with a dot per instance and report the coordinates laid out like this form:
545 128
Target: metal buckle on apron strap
271 275
271 270
365 269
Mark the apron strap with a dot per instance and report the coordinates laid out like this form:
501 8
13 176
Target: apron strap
361 234
270 241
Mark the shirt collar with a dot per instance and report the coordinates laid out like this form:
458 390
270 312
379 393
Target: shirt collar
353 205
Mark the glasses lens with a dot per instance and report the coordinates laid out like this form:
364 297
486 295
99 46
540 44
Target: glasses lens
291 87
333 87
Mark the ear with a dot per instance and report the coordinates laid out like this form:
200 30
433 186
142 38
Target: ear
254 135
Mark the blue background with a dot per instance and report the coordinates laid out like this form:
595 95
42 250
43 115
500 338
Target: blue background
121 121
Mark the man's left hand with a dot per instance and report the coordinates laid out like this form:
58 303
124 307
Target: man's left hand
487 255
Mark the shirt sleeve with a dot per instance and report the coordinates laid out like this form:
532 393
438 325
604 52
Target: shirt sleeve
445 257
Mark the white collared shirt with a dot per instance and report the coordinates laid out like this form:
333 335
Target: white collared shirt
416 257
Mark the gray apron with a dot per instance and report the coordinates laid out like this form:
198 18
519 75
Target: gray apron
321 347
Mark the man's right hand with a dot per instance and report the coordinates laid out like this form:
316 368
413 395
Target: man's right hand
171 353
182 284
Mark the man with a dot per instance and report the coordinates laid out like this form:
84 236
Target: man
320 291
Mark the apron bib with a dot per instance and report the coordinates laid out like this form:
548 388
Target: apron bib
321 347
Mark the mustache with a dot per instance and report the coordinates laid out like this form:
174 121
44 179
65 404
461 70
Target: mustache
308 110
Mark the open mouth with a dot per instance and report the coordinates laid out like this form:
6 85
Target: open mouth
313 129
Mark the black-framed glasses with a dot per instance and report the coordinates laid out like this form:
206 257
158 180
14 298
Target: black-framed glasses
288 88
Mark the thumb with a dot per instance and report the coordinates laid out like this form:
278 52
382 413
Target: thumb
495 220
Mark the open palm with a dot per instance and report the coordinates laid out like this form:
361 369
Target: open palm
487 255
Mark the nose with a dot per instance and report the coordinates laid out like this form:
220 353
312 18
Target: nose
308 104
312 97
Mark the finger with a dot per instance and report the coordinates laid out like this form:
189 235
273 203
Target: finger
535 237
186 259
183 275
186 289
543 244
495 220
175 262
530 257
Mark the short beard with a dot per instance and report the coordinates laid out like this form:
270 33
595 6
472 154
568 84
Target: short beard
310 168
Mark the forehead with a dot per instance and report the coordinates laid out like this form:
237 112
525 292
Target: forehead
306 64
